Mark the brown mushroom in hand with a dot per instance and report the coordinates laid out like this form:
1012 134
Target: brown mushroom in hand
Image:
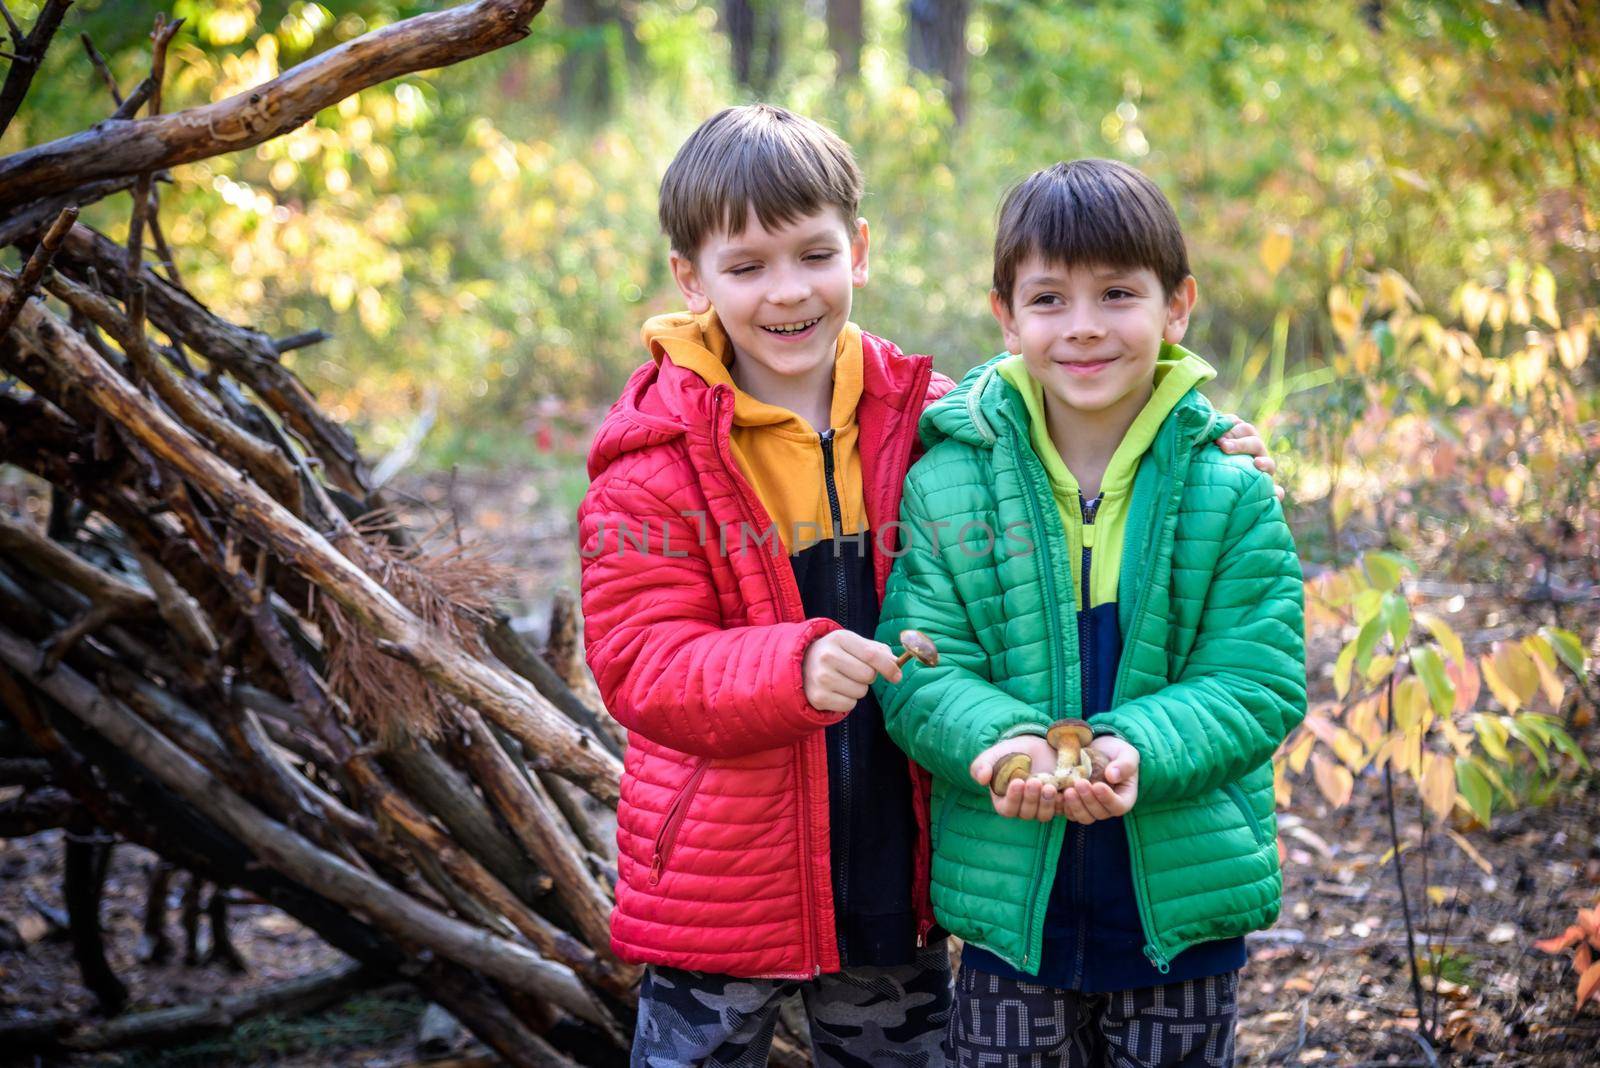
1011 766
920 646
1071 738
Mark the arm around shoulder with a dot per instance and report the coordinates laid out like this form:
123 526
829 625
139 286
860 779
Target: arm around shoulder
667 666
1242 688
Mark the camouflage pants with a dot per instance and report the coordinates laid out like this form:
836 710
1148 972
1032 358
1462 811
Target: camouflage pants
862 1016
1002 1023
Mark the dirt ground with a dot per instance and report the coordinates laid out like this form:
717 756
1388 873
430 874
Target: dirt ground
1327 986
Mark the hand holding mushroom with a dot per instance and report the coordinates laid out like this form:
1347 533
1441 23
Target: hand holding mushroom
1019 797
1074 759
1113 793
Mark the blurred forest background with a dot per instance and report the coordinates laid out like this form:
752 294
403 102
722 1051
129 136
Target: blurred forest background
1391 207
483 239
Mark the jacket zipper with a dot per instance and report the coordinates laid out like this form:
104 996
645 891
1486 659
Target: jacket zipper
807 905
1141 893
839 598
667 837
1080 834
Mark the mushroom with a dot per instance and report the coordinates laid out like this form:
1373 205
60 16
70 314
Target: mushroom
1011 766
1071 738
918 645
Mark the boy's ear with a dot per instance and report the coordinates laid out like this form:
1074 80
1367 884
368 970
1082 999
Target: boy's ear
858 254
1008 322
1179 306
688 279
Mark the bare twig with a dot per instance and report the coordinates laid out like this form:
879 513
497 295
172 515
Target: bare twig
300 341
100 65
34 269
31 50
160 38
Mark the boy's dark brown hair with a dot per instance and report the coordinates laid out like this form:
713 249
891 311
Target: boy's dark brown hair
758 156
1094 212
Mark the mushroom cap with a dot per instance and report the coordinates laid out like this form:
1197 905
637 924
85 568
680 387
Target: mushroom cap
1011 766
920 646
1077 730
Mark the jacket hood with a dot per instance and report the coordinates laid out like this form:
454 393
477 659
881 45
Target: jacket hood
977 410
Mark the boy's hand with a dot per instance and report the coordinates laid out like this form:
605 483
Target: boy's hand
1084 802
1245 440
840 666
1023 800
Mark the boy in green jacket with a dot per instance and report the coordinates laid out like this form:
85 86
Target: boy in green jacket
1075 551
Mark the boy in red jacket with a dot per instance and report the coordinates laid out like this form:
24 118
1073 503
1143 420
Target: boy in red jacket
736 538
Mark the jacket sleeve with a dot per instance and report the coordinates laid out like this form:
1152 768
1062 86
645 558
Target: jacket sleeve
943 716
1243 686
666 665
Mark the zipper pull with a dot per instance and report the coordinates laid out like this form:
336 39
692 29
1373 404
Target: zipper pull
657 862
1155 957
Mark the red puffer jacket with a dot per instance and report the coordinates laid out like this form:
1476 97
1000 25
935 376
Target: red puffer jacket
723 827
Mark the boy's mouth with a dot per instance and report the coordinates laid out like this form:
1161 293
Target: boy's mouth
1085 367
793 329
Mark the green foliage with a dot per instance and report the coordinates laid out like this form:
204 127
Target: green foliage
468 230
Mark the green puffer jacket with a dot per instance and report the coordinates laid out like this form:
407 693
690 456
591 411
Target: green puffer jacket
1212 675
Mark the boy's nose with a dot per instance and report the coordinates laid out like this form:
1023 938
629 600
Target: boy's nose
789 291
1082 326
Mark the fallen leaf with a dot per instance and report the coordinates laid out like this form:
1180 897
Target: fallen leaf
1502 934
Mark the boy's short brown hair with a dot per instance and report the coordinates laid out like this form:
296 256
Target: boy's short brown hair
1089 211
757 156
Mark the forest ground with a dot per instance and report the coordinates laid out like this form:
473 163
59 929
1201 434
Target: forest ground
1327 985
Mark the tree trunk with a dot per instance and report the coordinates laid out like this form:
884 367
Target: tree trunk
845 36
936 44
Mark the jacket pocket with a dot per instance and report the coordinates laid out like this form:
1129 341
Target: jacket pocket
1250 821
667 837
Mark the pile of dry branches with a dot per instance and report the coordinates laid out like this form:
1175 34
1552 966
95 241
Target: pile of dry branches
210 649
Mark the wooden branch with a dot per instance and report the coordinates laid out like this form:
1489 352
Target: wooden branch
301 340
518 654
186 401
389 909
553 742
34 269
104 68
82 885
423 42
185 1023
531 814
445 792
160 38
24 771
38 810
31 51
248 355
30 218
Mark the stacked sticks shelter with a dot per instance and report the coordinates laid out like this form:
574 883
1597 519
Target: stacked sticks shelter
220 645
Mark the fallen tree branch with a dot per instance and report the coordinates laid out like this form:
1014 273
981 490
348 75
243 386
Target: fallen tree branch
423 42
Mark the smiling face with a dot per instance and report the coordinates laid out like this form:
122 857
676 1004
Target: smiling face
783 295
1091 335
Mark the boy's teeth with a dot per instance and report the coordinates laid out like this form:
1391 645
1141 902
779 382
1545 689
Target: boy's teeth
792 328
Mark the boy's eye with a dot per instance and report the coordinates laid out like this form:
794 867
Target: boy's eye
820 257
1118 293
744 268
1046 298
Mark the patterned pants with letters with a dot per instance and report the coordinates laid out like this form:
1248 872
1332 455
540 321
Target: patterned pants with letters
889 1017
1002 1023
